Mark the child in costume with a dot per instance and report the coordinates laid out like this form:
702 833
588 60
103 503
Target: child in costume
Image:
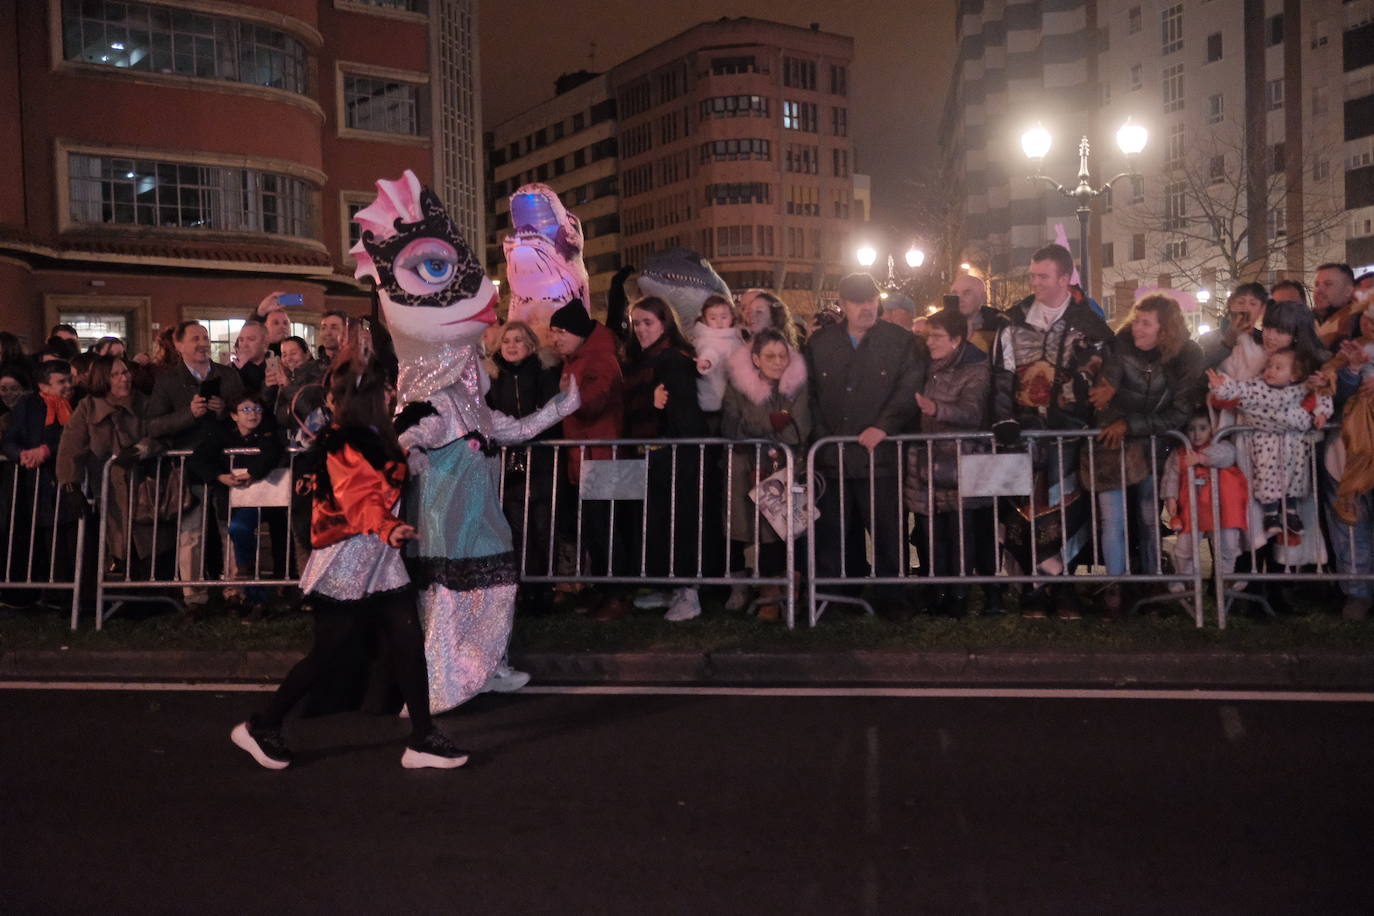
355 574
1280 409
438 301
1197 460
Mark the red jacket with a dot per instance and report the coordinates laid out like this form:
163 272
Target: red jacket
601 385
357 489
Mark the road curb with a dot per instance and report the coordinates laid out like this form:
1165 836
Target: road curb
1311 670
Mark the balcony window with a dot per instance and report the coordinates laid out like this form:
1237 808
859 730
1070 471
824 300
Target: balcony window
158 39
111 190
383 105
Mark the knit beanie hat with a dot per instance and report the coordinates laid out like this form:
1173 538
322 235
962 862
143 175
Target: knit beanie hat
574 319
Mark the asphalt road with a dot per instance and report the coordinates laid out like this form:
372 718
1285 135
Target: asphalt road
136 802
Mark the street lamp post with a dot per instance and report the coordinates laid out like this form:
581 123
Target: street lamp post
867 256
1035 143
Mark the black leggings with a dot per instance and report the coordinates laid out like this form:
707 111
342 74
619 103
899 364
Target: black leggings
336 625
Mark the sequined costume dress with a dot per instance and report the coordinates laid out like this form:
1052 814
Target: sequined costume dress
463 563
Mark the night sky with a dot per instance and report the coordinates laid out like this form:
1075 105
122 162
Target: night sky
904 54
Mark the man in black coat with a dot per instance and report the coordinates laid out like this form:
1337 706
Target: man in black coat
864 377
186 400
31 442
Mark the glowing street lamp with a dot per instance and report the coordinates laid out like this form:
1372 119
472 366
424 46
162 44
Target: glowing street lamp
915 257
1035 143
867 255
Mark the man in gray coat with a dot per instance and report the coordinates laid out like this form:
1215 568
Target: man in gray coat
864 377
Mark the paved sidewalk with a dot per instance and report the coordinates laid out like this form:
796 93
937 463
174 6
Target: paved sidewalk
1328 669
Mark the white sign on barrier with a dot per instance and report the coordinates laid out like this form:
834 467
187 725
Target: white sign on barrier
995 475
614 479
272 490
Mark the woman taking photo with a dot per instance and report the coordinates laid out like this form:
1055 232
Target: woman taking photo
766 399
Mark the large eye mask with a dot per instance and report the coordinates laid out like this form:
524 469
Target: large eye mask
425 266
426 263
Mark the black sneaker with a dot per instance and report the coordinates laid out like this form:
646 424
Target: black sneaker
1272 524
434 750
264 744
1293 523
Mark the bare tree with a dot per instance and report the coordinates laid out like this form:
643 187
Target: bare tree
1197 222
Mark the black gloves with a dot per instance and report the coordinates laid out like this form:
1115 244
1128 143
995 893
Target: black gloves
76 502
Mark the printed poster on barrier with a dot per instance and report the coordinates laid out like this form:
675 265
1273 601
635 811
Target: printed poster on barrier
771 496
604 478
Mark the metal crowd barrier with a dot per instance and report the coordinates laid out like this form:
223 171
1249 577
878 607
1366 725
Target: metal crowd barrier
1317 512
164 513
40 553
621 472
985 471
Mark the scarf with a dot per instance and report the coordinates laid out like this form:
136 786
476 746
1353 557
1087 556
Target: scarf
59 409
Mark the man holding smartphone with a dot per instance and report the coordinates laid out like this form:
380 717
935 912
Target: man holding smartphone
186 400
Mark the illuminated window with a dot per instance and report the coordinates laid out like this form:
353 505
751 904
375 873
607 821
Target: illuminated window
160 39
143 192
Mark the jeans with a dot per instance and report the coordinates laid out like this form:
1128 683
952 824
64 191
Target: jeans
243 534
1138 506
1352 544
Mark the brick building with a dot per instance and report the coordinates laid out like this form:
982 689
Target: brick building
181 159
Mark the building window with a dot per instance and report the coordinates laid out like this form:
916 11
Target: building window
1214 47
1216 108
160 39
579 122
1273 94
355 230
1173 150
802 158
727 66
803 200
732 150
410 6
1174 205
142 192
1137 188
1108 254
1321 170
734 241
740 192
1273 30
765 240
1138 247
1173 88
799 116
1216 173
840 163
1172 22
735 106
1280 157
1133 20
839 80
839 122
1137 77
1176 250
798 73
384 105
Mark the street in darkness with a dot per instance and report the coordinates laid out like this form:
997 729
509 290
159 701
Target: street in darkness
122 802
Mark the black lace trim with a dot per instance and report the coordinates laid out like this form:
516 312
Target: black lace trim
317 601
464 574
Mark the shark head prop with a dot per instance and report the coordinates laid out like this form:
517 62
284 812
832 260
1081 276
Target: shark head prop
682 278
435 296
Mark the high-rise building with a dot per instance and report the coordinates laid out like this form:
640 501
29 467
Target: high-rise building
1244 172
731 139
176 160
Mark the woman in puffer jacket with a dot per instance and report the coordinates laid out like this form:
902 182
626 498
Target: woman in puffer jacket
766 398
954 399
1148 386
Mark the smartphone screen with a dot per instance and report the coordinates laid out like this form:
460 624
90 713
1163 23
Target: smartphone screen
291 299
210 388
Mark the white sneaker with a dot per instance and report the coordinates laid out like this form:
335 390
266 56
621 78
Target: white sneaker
652 601
505 679
1177 588
739 598
436 750
685 605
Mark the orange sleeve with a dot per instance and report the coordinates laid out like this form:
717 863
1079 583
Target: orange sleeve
363 493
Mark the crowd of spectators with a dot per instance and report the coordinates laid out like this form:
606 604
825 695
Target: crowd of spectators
1296 369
